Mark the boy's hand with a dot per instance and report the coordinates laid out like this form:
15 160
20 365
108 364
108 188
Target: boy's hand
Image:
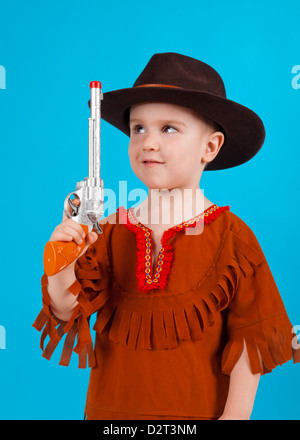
69 230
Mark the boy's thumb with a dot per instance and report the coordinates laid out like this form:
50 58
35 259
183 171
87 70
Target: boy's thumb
91 238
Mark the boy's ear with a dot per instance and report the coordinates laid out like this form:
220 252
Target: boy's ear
214 144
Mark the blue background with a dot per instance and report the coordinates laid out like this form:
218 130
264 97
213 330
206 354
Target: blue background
50 52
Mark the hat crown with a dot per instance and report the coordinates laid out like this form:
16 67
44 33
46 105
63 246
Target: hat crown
178 70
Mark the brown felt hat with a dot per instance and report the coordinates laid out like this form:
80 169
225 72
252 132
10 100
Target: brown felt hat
182 80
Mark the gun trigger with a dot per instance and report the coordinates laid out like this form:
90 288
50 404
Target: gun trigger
74 208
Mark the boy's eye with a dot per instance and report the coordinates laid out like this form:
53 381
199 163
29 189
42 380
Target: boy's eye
138 129
169 129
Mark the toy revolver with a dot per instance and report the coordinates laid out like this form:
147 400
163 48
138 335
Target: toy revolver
59 254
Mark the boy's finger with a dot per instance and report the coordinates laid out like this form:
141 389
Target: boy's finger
92 237
69 223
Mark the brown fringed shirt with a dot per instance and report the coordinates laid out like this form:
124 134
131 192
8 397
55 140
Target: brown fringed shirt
167 339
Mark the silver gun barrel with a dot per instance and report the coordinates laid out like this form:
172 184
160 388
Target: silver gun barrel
95 131
90 191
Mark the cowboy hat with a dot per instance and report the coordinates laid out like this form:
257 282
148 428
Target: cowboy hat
182 80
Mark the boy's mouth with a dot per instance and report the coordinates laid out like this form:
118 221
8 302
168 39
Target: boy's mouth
151 163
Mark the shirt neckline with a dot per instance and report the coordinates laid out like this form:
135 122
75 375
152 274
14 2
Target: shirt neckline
149 278
206 215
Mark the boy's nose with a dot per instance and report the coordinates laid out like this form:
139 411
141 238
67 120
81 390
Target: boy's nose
150 143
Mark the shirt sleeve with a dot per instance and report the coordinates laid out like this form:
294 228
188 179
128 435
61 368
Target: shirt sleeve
92 275
256 314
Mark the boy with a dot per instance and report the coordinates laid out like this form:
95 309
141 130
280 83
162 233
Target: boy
185 324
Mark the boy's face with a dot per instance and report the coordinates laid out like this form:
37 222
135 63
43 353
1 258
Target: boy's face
169 145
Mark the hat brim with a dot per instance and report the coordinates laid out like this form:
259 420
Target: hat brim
244 130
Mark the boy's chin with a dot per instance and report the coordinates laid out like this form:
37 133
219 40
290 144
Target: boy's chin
154 185
160 188
158 185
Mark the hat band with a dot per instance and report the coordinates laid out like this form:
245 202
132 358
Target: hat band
158 85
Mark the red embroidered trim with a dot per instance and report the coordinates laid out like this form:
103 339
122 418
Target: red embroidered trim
145 280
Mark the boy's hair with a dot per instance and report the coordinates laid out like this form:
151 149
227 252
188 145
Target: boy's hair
212 124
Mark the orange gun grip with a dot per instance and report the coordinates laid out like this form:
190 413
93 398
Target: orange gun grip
59 254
